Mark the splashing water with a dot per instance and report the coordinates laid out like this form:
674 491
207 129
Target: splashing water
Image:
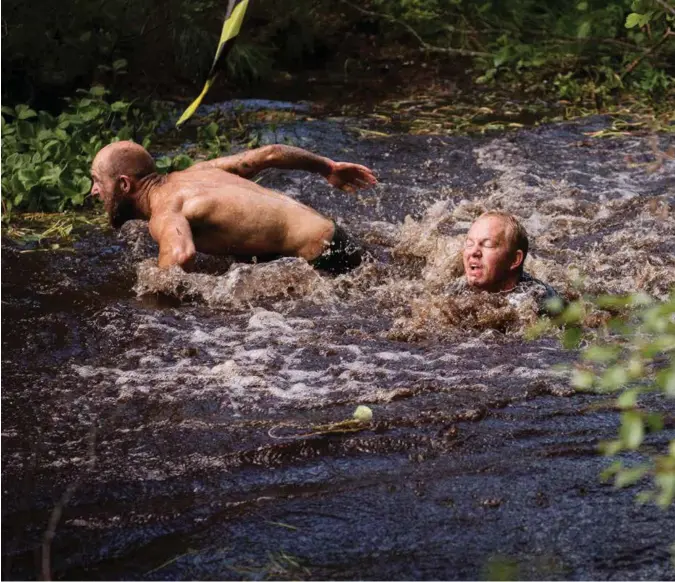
477 446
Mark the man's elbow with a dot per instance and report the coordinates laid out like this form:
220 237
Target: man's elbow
272 152
183 258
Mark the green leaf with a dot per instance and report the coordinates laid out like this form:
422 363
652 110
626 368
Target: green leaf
610 448
118 106
669 383
28 178
25 112
571 338
660 345
555 305
584 30
644 497
641 300
211 130
582 379
610 471
181 162
8 111
632 430
573 314
119 64
666 483
125 133
613 378
25 130
654 421
84 185
98 91
632 20
628 399
163 164
630 476
601 354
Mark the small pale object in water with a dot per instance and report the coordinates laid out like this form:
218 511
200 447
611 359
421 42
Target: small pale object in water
363 413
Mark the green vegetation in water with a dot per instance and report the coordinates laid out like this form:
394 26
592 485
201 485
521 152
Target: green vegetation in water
361 419
46 159
51 232
631 355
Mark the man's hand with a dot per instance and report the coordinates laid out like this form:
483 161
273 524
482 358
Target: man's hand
350 177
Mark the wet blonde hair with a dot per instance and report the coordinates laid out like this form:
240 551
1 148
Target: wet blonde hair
516 235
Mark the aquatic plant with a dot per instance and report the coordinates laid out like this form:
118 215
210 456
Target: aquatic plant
46 158
633 355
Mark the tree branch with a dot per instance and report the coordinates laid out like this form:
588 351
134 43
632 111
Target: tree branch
424 45
648 52
666 6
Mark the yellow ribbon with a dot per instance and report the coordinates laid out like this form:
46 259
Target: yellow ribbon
231 28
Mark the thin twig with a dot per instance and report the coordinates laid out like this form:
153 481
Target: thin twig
648 52
425 46
57 512
666 6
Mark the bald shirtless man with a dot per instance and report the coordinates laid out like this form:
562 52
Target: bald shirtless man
214 208
494 255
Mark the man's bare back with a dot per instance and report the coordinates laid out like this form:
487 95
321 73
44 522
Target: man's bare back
213 208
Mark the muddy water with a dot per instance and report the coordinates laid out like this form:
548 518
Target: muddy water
165 415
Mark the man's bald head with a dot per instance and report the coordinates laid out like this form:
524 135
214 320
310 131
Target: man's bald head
115 173
124 158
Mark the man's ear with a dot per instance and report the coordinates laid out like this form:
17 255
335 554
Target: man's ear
517 260
125 183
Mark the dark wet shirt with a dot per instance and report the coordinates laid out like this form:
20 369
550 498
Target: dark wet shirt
527 287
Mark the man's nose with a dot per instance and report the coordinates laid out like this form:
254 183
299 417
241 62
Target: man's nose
476 252
95 192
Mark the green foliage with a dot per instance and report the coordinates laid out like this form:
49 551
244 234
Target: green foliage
633 356
46 159
211 139
586 50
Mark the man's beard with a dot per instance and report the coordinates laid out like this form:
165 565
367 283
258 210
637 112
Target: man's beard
119 210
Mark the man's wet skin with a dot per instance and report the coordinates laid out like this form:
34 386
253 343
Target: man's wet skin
490 261
213 208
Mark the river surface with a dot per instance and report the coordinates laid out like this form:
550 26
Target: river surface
158 425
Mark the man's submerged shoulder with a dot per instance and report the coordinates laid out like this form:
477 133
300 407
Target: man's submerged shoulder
528 282
540 291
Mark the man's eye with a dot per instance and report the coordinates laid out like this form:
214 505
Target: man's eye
468 243
489 244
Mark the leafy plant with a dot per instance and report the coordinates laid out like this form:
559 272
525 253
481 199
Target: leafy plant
46 158
633 355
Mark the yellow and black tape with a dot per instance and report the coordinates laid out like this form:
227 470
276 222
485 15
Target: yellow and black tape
231 27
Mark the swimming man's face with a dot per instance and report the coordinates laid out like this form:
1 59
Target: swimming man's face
107 188
487 254
103 185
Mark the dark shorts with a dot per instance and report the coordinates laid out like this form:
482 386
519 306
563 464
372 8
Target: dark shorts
342 254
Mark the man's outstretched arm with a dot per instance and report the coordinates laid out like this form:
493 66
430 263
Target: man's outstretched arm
343 175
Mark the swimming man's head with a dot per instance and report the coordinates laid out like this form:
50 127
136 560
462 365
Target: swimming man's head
494 252
115 173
